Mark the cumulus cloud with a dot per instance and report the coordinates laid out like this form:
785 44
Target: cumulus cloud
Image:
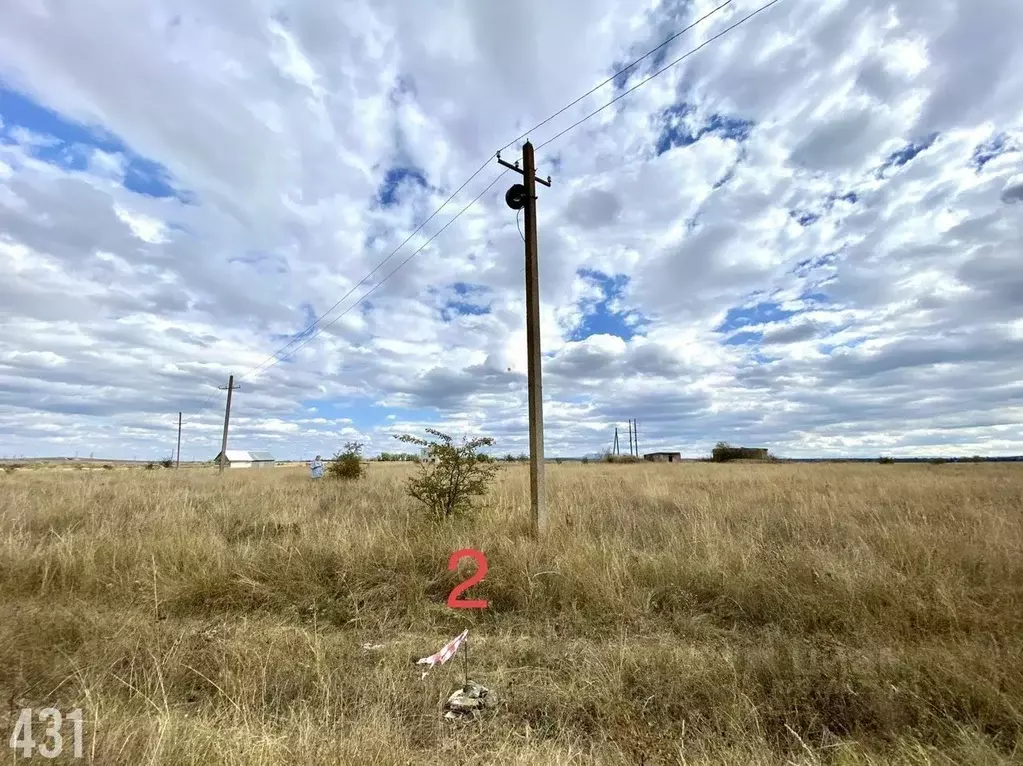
806 236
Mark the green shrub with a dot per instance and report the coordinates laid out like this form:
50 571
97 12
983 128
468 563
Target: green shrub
723 452
452 474
347 464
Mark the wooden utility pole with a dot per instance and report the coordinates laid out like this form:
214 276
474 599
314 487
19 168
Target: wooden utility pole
227 419
631 452
614 449
521 196
177 463
635 434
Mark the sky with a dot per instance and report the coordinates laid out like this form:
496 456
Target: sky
807 236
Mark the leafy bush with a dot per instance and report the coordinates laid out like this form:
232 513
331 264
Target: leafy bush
723 452
607 456
886 460
167 462
452 474
347 464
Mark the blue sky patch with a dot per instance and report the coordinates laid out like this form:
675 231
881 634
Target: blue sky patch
309 317
730 173
676 133
598 316
987 151
828 348
69 145
815 297
904 155
760 313
469 300
850 197
744 338
396 181
365 414
807 265
804 218
807 218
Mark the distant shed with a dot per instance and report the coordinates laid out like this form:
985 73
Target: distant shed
237 458
663 457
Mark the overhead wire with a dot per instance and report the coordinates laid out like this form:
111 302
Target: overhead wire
362 281
396 268
307 334
621 71
300 335
659 72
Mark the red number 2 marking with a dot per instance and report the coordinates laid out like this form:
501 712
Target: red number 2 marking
481 571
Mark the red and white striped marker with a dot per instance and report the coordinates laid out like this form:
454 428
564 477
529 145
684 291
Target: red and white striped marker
445 654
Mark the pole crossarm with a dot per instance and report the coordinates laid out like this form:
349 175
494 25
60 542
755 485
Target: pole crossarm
521 172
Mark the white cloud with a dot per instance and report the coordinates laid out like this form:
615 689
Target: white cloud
279 127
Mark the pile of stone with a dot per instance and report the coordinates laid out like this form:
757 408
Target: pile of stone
469 702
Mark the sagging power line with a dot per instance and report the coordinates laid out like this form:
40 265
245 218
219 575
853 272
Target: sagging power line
298 337
313 330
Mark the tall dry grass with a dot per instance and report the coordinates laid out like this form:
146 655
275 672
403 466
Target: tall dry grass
762 614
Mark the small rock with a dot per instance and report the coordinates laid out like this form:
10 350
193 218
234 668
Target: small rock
469 701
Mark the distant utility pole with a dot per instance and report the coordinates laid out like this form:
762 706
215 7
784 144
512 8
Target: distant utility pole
521 196
177 463
631 451
635 434
227 419
614 449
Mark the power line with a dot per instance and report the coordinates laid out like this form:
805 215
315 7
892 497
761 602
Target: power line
661 71
298 336
419 228
399 266
302 337
621 71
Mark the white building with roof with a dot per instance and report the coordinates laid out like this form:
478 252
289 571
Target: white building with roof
238 458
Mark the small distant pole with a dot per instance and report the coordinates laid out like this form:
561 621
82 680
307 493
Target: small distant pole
614 448
635 431
227 419
631 451
177 462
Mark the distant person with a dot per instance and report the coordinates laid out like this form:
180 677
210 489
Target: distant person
316 468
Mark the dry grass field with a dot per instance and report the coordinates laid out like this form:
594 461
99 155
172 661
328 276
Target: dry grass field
748 614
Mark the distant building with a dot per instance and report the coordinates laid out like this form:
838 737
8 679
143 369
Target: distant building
663 457
237 458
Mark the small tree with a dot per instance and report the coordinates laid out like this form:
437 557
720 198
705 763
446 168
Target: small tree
167 462
452 474
347 464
